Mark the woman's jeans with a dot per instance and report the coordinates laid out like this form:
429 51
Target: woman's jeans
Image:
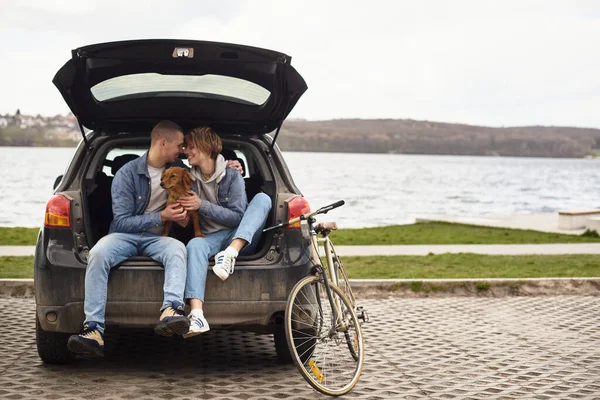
200 250
116 248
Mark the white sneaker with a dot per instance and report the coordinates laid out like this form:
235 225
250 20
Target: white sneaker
223 265
198 325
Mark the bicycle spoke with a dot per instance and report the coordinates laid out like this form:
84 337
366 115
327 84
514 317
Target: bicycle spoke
309 349
299 332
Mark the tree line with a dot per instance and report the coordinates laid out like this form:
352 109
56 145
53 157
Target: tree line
400 136
424 137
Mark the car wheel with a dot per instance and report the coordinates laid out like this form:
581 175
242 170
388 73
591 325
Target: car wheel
281 347
52 346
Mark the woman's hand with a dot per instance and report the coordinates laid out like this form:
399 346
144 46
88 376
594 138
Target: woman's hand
191 202
235 164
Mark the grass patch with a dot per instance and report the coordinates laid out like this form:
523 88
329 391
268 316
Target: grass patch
442 266
468 265
16 267
419 233
18 236
449 233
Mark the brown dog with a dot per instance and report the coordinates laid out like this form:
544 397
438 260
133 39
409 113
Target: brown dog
177 181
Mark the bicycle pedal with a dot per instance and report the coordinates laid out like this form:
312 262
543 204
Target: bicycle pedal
362 314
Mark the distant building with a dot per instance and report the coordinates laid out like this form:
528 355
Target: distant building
56 127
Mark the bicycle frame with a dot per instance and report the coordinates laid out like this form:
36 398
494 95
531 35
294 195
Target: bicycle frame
332 258
330 274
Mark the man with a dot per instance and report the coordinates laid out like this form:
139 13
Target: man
139 211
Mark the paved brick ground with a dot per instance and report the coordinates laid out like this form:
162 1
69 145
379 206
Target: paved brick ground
475 348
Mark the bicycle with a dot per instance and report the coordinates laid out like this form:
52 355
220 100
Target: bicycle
322 325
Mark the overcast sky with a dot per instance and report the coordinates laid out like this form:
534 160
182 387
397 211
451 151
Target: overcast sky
503 63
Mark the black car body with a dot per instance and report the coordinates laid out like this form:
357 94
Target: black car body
119 91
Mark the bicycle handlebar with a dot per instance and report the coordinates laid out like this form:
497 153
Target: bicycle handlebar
322 210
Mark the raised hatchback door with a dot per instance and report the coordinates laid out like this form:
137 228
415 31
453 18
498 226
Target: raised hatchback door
126 86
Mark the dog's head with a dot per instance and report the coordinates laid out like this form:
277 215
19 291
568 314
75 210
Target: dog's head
176 178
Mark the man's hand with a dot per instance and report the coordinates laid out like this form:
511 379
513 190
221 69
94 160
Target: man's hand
236 165
191 202
173 212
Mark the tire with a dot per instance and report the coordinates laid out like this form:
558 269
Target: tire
281 347
284 356
329 358
52 346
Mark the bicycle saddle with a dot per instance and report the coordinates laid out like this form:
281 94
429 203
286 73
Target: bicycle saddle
325 227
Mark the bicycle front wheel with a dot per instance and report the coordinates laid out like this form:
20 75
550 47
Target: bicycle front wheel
329 353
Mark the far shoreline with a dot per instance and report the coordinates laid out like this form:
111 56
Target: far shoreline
62 146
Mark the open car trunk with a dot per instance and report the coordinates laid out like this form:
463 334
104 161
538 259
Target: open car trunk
114 153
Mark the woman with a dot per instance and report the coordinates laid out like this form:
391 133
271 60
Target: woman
228 221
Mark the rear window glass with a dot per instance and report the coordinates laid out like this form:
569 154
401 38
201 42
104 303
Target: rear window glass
147 84
117 157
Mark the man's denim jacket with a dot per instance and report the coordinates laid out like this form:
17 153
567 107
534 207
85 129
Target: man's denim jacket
131 193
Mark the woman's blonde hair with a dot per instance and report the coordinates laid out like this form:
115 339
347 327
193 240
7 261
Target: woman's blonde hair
206 140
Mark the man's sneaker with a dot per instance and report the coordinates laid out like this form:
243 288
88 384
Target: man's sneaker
88 343
198 325
172 321
223 265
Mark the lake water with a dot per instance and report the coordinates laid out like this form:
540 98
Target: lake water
379 189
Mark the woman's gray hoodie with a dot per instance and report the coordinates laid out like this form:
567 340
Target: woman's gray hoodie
223 197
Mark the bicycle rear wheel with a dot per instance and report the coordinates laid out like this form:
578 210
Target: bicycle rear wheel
328 354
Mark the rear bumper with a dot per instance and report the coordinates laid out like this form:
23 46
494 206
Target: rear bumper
249 315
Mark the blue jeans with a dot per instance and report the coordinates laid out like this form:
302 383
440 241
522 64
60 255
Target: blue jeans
200 250
116 248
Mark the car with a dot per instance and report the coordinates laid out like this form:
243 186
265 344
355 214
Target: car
118 91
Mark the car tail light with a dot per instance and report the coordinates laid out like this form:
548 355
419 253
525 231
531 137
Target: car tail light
58 212
296 207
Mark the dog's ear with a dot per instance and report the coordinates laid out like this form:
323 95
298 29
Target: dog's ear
187 179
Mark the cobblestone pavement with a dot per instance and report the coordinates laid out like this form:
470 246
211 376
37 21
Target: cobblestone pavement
442 348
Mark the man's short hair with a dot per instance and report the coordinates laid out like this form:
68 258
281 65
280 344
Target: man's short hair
206 140
165 130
